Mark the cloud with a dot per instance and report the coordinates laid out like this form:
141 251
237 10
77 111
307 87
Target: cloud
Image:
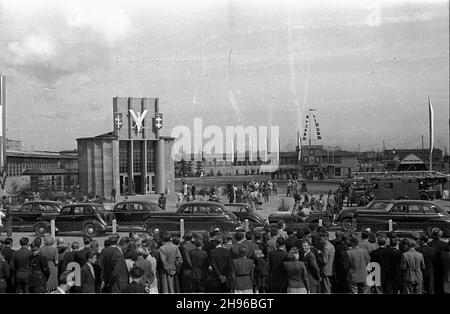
75 39
106 18
34 48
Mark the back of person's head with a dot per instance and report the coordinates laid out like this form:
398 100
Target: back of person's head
131 254
212 234
243 250
167 237
188 237
136 272
424 238
37 242
411 243
381 241
8 241
364 235
218 240
106 243
198 244
258 236
87 240
75 246
353 242
393 242
280 224
249 235
24 241
113 239
229 237
321 229
273 232
238 236
290 231
312 226
176 240
280 242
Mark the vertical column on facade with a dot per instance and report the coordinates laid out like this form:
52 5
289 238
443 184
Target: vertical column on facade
160 169
144 165
115 166
130 168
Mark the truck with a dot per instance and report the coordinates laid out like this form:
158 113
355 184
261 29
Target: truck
423 185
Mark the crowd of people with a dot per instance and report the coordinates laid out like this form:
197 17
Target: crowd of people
278 261
254 193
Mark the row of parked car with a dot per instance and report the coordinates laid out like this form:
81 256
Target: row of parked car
93 219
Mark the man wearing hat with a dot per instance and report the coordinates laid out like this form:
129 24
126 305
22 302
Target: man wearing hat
439 246
428 255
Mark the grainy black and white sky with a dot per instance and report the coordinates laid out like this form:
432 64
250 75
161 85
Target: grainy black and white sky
367 66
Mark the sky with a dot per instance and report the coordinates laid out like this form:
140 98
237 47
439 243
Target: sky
367 67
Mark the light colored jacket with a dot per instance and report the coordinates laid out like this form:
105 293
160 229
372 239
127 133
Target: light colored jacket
412 263
328 258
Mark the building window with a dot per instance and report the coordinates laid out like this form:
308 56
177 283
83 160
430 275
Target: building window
151 161
306 159
311 152
317 159
123 156
137 156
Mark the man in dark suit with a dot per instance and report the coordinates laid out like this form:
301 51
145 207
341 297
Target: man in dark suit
383 256
69 257
7 253
105 263
429 256
88 274
20 266
277 275
120 277
312 268
439 247
341 247
199 264
185 247
80 256
291 240
221 268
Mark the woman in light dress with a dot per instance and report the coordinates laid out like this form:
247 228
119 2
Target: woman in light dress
50 252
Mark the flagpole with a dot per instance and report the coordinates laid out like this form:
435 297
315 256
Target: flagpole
431 125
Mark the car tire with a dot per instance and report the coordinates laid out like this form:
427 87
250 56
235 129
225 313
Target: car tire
424 196
90 229
41 228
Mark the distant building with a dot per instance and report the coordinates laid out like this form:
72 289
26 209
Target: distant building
320 163
133 158
13 145
58 170
413 159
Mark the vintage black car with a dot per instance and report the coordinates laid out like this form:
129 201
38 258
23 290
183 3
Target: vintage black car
27 217
244 211
406 215
198 217
346 216
294 220
133 214
90 219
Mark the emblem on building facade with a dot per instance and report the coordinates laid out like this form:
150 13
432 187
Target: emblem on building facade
138 119
158 121
118 120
